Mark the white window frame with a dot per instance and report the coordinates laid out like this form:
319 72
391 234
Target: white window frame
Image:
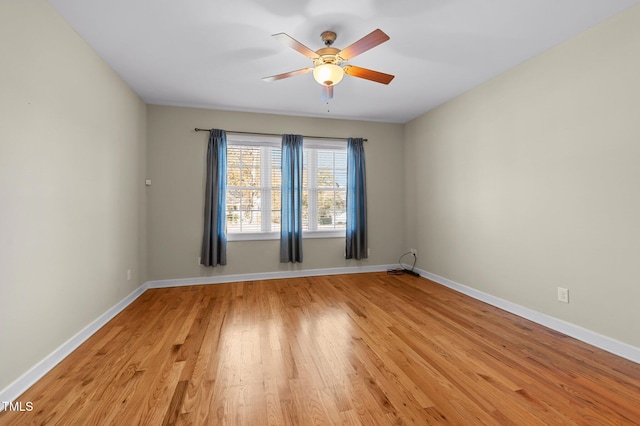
312 171
265 182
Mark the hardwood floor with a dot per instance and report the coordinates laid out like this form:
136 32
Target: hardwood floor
348 349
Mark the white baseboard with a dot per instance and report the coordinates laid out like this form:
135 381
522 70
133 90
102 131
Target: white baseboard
608 344
24 382
221 279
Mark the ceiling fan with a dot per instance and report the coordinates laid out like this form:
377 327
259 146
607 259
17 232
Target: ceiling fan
329 62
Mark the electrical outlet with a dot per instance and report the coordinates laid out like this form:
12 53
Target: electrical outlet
128 274
199 260
563 295
414 251
368 252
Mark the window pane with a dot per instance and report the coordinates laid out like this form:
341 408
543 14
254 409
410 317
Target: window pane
276 168
233 166
249 219
305 209
253 173
233 210
324 198
275 209
326 204
341 170
305 169
325 169
250 160
233 157
340 215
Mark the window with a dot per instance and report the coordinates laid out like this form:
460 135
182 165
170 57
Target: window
253 187
324 197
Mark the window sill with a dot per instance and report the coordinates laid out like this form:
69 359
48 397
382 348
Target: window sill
257 236
253 236
339 233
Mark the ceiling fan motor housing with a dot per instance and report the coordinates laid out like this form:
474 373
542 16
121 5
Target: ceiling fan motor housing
328 55
328 37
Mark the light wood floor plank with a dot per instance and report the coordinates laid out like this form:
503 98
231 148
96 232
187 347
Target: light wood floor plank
366 349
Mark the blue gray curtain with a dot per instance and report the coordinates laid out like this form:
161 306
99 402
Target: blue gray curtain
291 203
214 239
357 240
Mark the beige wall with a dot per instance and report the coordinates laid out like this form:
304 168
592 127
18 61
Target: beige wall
72 165
531 181
176 166
524 184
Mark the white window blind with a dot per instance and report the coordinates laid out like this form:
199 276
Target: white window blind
254 187
325 187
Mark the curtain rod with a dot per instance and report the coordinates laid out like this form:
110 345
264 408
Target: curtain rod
274 134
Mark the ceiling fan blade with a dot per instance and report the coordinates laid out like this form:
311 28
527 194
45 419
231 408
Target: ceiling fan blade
367 74
327 93
287 75
287 40
365 43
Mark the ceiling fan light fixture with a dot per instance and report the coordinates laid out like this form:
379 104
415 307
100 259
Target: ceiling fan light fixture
330 63
328 74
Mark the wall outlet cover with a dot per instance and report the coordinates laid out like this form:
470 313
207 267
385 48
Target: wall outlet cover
563 295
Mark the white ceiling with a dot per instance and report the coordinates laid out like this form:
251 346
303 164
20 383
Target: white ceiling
213 54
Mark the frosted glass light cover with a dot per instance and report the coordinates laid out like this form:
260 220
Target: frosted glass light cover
328 74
